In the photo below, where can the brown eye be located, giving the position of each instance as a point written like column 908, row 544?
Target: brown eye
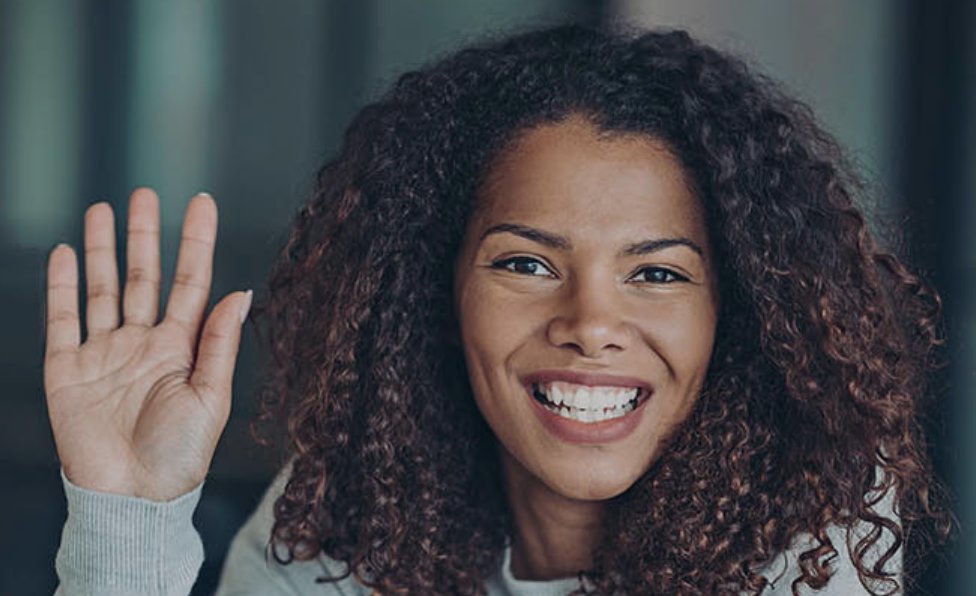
column 658, row 275
column 523, row 266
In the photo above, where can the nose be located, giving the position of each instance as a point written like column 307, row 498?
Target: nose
column 589, row 318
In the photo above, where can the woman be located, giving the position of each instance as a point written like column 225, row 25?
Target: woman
column 573, row 311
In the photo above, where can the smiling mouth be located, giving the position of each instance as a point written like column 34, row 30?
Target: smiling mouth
column 587, row 404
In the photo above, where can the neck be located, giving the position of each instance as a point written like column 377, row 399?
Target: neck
column 554, row 535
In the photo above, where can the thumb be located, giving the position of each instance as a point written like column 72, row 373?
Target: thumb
column 217, row 352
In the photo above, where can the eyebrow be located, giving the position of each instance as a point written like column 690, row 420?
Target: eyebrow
column 557, row 242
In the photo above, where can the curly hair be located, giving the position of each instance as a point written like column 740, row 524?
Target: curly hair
column 811, row 406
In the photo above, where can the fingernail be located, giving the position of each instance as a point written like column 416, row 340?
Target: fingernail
column 248, row 295
column 204, row 193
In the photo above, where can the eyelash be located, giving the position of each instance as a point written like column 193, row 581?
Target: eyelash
column 509, row 264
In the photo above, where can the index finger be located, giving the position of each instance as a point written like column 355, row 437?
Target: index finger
column 63, row 326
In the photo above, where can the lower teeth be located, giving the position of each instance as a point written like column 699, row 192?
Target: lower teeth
column 581, row 415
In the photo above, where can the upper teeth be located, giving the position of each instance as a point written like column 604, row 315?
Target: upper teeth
column 587, row 398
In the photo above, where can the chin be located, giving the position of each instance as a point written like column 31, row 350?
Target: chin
column 593, row 482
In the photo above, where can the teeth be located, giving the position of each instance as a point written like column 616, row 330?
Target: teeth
column 558, row 397
column 588, row 404
column 584, row 398
column 588, row 415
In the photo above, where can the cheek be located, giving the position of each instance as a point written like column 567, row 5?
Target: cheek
column 683, row 332
column 491, row 328
column 491, row 333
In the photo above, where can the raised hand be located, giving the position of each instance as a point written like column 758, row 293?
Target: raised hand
column 137, row 409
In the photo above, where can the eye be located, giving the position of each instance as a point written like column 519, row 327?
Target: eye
column 523, row 266
column 658, row 275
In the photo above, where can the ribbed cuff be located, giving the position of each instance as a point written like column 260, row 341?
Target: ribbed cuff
column 114, row 544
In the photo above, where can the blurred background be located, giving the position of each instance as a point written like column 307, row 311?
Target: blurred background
column 246, row 98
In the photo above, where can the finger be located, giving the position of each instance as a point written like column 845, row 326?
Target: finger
column 63, row 326
column 101, row 270
column 140, row 301
column 194, row 264
column 213, row 372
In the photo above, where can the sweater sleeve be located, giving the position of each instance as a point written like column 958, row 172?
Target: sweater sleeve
column 114, row 545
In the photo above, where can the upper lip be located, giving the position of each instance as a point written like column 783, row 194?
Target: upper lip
column 586, row 378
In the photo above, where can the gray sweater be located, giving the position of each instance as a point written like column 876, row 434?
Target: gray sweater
column 114, row 545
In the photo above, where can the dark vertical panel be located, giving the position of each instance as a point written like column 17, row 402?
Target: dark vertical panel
column 107, row 65
column 345, row 66
column 939, row 51
column 934, row 111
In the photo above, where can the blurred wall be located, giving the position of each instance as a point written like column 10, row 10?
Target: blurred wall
column 834, row 54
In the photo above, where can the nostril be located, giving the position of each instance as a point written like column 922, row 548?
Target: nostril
column 589, row 337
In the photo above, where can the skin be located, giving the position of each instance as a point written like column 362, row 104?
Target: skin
column 585, row 306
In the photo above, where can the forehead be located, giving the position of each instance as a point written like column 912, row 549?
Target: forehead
column 571, row 175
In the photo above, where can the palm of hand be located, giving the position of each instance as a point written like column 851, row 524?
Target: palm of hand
column 138, row 408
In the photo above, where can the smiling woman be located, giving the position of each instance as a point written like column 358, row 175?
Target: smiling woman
column 593, row 273
column 573, row 312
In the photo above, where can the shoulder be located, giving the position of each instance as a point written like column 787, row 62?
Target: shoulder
column 785, row 568
column 250, row 569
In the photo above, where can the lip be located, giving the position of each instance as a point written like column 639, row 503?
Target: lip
column 587, row 433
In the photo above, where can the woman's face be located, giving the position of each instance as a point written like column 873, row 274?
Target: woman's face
column 587, row 302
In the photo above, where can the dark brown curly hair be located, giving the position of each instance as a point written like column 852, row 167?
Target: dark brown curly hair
column 811, row 406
